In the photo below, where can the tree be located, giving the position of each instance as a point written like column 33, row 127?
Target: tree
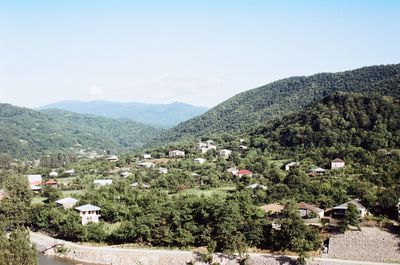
column 294, row 235
column 17, row 249
column 351, row 217
column 15, row 208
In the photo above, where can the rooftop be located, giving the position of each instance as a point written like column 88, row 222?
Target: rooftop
column 87, row 207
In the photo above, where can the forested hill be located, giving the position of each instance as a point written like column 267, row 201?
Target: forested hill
column 370, row 121
column 26, row 133
column 256, row 106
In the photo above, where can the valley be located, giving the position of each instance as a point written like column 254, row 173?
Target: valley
column 284, row 186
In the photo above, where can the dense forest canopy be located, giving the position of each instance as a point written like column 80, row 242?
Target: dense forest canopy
column 370, row 121
column 274, row 100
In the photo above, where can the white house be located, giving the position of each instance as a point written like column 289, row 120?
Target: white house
column 35, row 181
column 340, row 210
column 337, row 163
column 163, row 170
column 53, row 174
column 112, row 158
column 233, row 170
column 70, row 172
column 143, row 185
column 256, row 185
column 291, row 164
column 89, row 213
column 225, row 153
column 125, row 174
column 146, row 156
column 102, row 182
column 205, row 147
column 176, row 153
column 199, row 160
column 146, row 164
column 67, row 203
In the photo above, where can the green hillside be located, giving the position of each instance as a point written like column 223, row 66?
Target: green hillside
column 256, row 106
column 370, row 121
column 25, row 132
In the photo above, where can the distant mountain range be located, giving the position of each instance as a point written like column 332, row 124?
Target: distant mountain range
column 29, row 133
column 257, row 106
column 158, row 115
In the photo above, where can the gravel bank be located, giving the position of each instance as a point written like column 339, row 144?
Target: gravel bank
column 369, row 244
column 121, row 256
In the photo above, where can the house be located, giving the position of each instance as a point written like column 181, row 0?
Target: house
column 102, row 182
column 199, row 160
column 398, row 210
column 307, row 210
column 146, row 165
column 88, row 213
column 291, row 164
column 70, row 172
column 243, row 147
column 50, row 183
column 340, row 210
column 125, row 174
column 176, row 153
column 225, row 153
column 233, row 170
column 205, row 147
column 256, row 186
column 35, row 181
column 316, row 171
column 273, row 208
column 53, row 174
column 337, row 163
column 143, row 185
column 66, row 203
column 146, row 156
column 112, row 158
column 163, row 170
column 3, row 194
column 245, row 172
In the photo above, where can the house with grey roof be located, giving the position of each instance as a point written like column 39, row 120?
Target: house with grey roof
column 89, row 213
column 66, row 203
column 340, row 210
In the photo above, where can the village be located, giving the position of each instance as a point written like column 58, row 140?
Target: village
column 209, row 169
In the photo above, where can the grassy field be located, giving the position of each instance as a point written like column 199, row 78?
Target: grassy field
column 197, row 191
column 65, row 181
column 37, row 200
column 67, row 193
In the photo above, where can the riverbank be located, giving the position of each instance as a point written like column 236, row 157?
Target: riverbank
column 109, row 255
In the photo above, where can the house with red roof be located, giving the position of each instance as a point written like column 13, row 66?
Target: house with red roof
column 245, row 172
column 50, row 183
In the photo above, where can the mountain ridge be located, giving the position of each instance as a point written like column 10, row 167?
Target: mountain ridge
column 158, row 115
column 274, row 100
column 26, row 133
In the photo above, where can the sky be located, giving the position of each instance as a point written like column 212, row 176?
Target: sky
column 197, row 52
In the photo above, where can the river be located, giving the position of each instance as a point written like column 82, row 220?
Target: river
column 51, row 260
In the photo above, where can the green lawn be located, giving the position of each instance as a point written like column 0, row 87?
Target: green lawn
column 38, row 200
column 197, row 191
column 66, row 181
column 67, row 193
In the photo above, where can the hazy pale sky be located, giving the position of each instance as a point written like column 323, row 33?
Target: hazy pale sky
column 198, row 52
